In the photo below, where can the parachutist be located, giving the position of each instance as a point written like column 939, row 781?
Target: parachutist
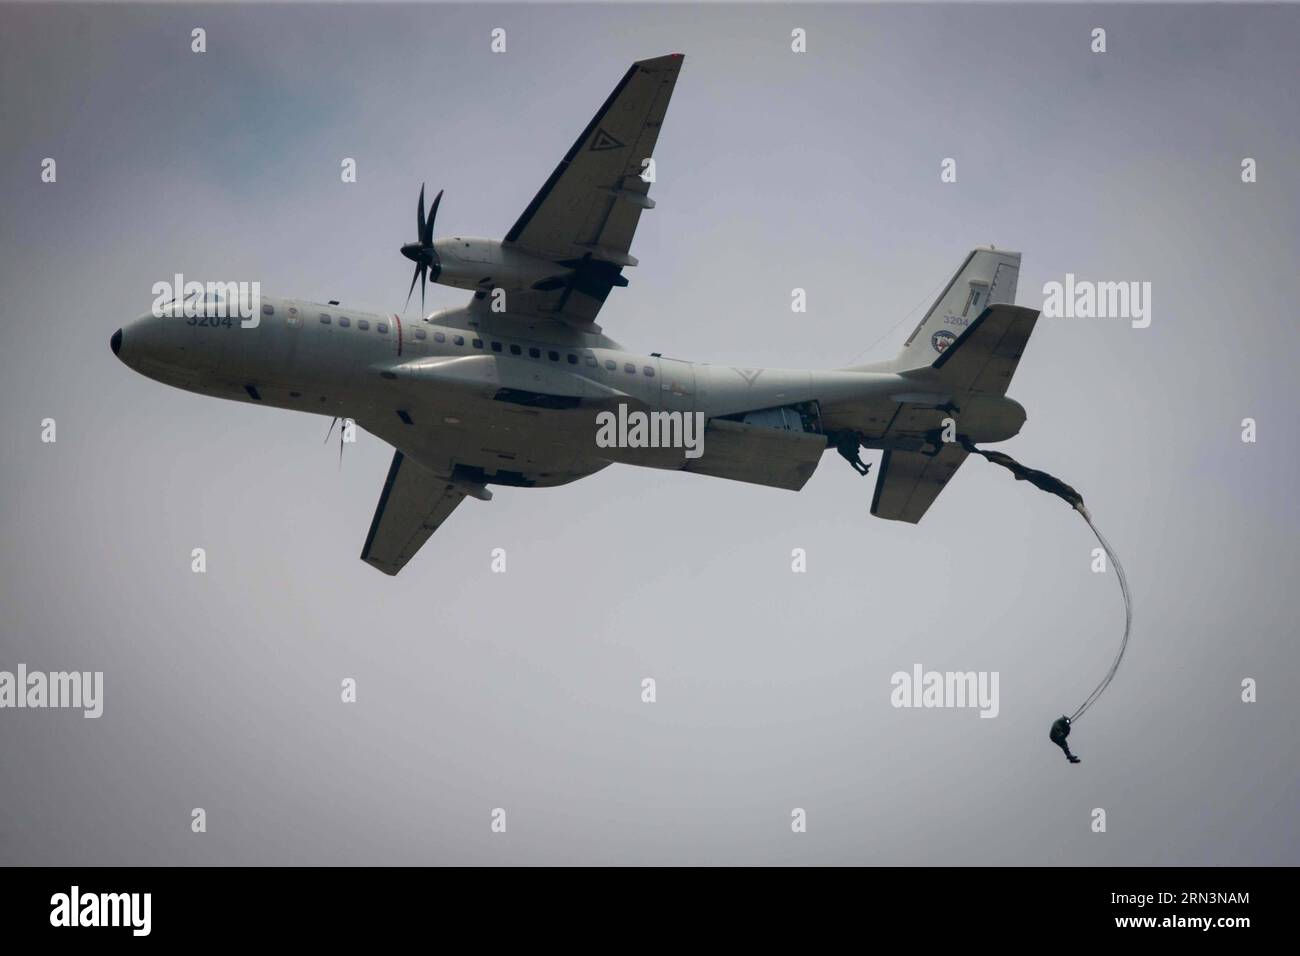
column 848, row 446
column 1041, row 479
column 1061, row 730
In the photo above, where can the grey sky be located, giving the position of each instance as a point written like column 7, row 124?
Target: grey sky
column 521, row 690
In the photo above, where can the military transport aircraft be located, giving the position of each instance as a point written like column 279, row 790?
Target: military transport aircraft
column 507, row 389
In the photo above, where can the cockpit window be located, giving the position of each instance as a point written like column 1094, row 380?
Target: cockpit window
column 266, row 309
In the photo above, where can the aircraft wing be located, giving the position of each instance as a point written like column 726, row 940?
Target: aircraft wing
column 908, row 481
column 413, row 505
column 586, row 213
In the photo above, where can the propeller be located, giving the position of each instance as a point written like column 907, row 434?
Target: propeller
column 421, row 252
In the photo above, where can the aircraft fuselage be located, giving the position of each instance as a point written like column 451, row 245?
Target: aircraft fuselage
column 510, row 403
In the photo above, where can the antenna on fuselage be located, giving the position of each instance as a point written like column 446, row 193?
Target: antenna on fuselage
column 331, row 432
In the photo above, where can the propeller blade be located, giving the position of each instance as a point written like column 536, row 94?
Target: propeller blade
column 340, row 449
column 426, row 234
column 331, row 431
column 419, row 270
column 419, row 221
column 423, row 273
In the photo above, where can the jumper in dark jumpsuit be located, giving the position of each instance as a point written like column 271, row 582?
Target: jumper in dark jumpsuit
column 1061, row 730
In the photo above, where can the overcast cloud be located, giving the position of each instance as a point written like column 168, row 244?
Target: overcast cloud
column 522, row 691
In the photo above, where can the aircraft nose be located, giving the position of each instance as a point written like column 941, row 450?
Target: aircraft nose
column 115, row 343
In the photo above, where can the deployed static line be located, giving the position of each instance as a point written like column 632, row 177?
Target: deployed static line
column 1049, row 483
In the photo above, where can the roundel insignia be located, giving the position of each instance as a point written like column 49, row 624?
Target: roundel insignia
column 942, row 339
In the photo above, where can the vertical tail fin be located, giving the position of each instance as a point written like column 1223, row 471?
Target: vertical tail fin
column 987, row 277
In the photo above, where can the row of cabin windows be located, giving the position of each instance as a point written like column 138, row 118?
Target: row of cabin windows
column 533, row 352
column 295, row 320
column 362, row 324
column 536, row 353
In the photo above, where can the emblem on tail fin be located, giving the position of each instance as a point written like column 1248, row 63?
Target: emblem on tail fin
column 942, row 339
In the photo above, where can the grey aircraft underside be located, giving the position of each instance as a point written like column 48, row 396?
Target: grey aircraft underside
column 506, row 390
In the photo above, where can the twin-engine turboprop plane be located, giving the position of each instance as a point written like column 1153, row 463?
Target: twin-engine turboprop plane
column 509, row 388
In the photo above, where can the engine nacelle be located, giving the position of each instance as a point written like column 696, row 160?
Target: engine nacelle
column 466, row 262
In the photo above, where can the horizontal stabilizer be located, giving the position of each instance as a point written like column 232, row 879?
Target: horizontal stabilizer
column 909, row 481
column 985, row 356
column 413, row 505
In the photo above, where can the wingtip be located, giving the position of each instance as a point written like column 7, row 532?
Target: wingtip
column 667, row 59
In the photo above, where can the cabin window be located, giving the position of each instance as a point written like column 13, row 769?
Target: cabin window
column 516, row 350
column 293, row 319
column 439, row 337
column 496, row 346
column 459, row 339
column 629, row 368
column 363, row 325
column 266, row 309
column 573, row 359
column 535, row 353
column 344, row 321
column 420, row 334
column 381, row 328
column 324, row 318
column 591, row 361
column 477, row 343
column 553, row 356
column 611, row 365
column 649, row 372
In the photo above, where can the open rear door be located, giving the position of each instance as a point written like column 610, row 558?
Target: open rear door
column 757, row 454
